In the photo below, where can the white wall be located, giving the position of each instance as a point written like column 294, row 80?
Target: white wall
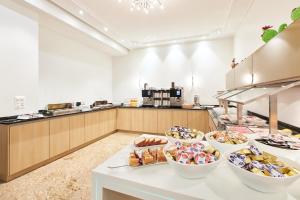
column 247, row 40
column 71, row 71
column 19, row 61
column 206, row 61
column 47, row 67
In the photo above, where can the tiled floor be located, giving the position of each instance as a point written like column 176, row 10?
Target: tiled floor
column 68, row 177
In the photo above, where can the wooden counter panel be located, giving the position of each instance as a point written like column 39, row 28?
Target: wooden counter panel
column 137, row 119
column 59, row 136
column 150, row 121
column 92, row 127
column 198, row 119
column 77, row 130
column 29, row 145
column 180, row 118
column 4, row 153
column 164, row 120
column 124, row 119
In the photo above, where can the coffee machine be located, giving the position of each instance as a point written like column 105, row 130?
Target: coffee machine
column 176, row 96
column 147, row 94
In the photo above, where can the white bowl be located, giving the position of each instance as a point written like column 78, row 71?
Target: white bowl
column 264, row 183
column 290, row 154
column 192, row 171
column 223, row 147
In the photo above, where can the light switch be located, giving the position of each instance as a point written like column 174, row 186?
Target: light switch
column 19, row 102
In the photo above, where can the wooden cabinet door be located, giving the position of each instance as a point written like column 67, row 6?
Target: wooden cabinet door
column 164, row 120
column 104, row 117
column 124, row 119
column 278, row 59
column 77, row 131
column 91, row 126
column 137, row 116
column 180, row 118
column 29, row 145
column 150, row 121
column 112, row 116
column 198, row 119
column 59, row 135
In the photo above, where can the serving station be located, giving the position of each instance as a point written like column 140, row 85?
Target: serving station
column 161, row 182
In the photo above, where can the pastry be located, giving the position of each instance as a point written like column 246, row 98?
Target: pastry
column 140, row 141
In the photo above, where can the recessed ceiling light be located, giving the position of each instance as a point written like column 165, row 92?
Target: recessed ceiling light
column 119, row 1
column 105, row 29
column 122, row 40
column 162, row 7
column 81, row 12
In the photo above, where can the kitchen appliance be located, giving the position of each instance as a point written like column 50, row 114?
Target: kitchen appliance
column 147, row 94
column 157, row 96
column 196, row 101
column 165, row 98
column 61, row 109
column 176, row 96
column 101, row 105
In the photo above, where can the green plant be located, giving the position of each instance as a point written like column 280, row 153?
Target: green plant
column 295, row 14
column 268, row 33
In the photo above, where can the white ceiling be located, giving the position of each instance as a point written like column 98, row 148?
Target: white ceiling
column 181, row 20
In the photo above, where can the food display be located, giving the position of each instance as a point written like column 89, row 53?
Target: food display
column 228, row 137
column 146, row 157
column 183, row 133
column 281, row 141
column 239, row 129
column 196, row 153
column 149, row 141
column 261, row 163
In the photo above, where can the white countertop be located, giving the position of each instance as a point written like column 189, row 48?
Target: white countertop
column 161, row 182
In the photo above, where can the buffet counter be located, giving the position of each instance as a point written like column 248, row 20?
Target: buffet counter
column 160, row 182
column 28, row 144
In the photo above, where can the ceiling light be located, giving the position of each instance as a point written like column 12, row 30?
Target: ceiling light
column 105, row 29
column 81, row 12
column 145, row 5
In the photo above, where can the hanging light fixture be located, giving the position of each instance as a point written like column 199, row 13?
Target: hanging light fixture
column 145, row 5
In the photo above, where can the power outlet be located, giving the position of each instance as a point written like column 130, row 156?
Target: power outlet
column 19, row 102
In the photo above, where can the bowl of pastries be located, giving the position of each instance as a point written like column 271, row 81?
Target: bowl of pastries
column 192, row 161
column 263, row 171
column 184, row 135
column 226, row 141
column 147, row 156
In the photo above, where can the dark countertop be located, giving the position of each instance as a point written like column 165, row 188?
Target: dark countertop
column 13, row 119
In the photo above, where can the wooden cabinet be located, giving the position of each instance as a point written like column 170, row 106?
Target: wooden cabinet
column 243, row 73
column 198, row 119
column 112, row 119
column 59, row 135
column 102, row 123
column 91, row 126
column 124, row 119
column 278, row 59
column 164, row 120
column 29, row 145
column 180, row 118
column 150, row 121
column 137, row 118
column 230, row 79
column 77, row 131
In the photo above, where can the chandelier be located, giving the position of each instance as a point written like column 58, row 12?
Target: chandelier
column 144, row 5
